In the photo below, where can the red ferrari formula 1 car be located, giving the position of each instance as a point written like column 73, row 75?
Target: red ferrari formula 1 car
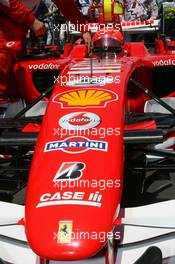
column 99, row 128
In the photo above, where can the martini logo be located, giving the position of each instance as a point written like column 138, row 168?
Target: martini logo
column 76, row 144
column 79, row 120
column 85, row 98
column 69, row 171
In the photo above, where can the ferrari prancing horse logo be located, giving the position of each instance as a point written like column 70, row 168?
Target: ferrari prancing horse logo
column 64, row 232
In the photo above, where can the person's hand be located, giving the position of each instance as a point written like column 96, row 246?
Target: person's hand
column 38, row 27
column 87, row 40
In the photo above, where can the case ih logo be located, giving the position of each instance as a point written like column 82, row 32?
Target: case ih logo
column 79, row 120
column 69, row 171
column 85, row 98
column 76, row 144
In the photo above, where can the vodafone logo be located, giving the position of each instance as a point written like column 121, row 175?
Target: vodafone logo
column 10, row 44
column 168, row 62
column 79, row 120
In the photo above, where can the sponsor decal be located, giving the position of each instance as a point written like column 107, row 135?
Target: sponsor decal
column 64, row 231
column 74, row 198
column 85, row 98
column 44, row 66
column 69, row 171
column 168, row 62
column 10, row 44
column 75, row 145
column 79, row 120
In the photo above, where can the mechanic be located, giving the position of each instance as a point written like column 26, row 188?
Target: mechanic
column 15, row 19
column 85, row 7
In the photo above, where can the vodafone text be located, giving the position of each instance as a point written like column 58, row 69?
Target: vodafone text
column 44, row 66
column 168, row 62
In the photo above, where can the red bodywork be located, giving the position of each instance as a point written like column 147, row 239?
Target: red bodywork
column 62, row 221
column 105, row 166
column 71, row 204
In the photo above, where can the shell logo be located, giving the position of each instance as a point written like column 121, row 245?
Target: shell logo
column 85, row 98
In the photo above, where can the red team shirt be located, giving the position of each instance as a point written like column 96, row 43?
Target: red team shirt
column 16, row 11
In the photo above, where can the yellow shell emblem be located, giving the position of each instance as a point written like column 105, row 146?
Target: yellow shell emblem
column 85, row 98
